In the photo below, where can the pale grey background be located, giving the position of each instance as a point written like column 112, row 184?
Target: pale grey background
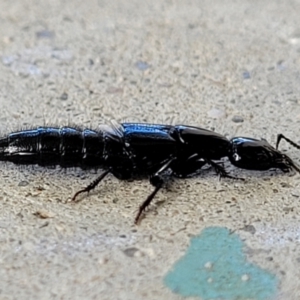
column 205, row 63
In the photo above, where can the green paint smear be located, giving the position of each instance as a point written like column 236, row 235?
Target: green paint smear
column 215, row 267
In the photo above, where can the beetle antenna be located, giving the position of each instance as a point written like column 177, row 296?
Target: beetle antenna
column 281, row 136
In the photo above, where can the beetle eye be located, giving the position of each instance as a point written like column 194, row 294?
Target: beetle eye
column 236, row 157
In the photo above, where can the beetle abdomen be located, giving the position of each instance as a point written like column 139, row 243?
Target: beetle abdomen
column 49, row 146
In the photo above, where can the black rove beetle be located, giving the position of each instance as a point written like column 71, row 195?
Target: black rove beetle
column 131, row 150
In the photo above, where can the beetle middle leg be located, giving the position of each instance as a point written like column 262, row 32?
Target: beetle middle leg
column 189, row 166
column 157, row 181
column 194, row 163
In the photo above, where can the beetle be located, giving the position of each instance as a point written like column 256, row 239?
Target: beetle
column 131, row 150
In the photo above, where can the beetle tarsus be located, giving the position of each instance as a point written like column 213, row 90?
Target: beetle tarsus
column 91, row 186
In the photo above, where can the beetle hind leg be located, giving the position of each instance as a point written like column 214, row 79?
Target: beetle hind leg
column 92, row 185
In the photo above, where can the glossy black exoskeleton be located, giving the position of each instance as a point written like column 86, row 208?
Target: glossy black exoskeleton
column 253, row 154
column 129, row 150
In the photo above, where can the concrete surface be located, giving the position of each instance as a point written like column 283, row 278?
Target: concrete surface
column 229, row 65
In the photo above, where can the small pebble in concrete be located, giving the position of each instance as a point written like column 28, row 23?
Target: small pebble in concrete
column 46, row 34
column 216, row 113
column 245, row 277
column 142, row 66
column 208, row 265
column 130, row 252
column 246, row 75
column 238, row 119
column 64, row 96
column 249, row 228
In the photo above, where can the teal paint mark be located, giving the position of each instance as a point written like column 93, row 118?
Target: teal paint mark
column 215, row 267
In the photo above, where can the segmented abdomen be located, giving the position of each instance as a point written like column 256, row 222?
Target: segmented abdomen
column 49, row 146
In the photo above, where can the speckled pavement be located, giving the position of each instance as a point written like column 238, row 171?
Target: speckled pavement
column 231, row 66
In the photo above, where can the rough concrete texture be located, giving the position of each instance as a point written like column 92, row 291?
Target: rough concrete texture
column 229, row 65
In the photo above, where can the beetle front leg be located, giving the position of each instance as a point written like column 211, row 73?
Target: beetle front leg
column 219, row 168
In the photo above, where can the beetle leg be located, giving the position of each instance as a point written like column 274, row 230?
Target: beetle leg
column 157, row 181
column 281, row 136
column 286, row 164
column 92, row 185
column 219, row 168
column 184, row 168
